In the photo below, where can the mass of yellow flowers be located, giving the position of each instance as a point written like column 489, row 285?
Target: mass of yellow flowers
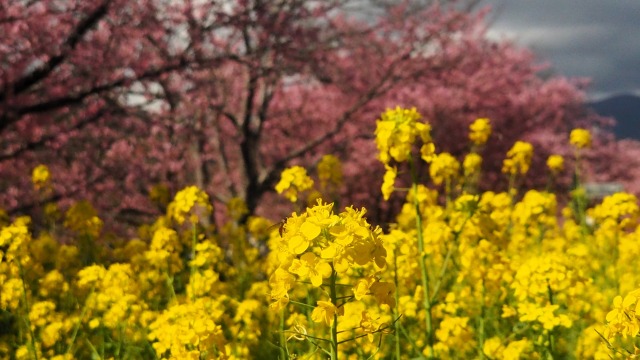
column 462, row 272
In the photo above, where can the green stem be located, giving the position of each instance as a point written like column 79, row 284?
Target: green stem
column 94, row 351
column 395, row 309
column 550, row 338
column 411, row 342
column 301, row 304
column 77, row 326
column 447, row 259
column 334, row 325
column 421, row 259
column 169, row 280
column 283, row 340
column 380, row 330
column 481, row 326
column 26, row 316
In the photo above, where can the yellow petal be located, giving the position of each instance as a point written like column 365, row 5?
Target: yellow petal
column 310, row 230
column 298, row 244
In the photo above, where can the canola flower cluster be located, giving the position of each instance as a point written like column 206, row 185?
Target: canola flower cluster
column 504, row 274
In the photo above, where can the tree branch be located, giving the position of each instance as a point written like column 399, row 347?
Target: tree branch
column 34, row 145
column 69, row 45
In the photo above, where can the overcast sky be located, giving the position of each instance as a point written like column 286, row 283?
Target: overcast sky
column 598, row 39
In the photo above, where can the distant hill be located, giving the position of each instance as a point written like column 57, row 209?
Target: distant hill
column 626, row 110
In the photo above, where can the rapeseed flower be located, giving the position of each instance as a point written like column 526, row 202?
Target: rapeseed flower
column 555, row 163
column 330, row 171
column 471, row 165
column 444, row 168
column 518, row 159
column 40, row 177
column 480, row 130
column 580, row 138
column 388, row 181
column 293, row 181
column 396, row 131
column 190, row 203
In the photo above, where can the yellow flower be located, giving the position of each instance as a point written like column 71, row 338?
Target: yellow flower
column 40, row 176
column 518, row 159
column 237, row 208
column 190, row 203
column 324, row 312
column 384, row 293
column 312, row 267
column 330, row 171
column 428, row 152
column 362, row 287
column 396, row 132
column 389, row 181
column 370, row 324
column 480, row 130
column 515, row 349
column 555, row 163
column 444, row 168
column 293, row 181
column 90, row 276
column 471, row 164
column 83, row 218
column 259, row 226
column 580, row 138
column 619, row 207
column 280, row 282
column 493, row 348
column 624, row 319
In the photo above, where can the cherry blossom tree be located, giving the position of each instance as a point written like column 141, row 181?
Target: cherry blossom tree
column 119, row 96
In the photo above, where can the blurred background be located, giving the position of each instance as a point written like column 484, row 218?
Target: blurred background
column 127, row 102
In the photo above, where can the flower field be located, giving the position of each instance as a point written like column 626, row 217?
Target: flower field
column 460, row 274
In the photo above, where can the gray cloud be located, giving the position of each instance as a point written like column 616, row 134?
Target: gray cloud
column 597, row 39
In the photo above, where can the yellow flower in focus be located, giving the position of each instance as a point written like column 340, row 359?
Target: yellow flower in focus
column 370, row 324
column 580, row 138
column 624, row 319
column 361, row 289
column 555, row 163
column 388, row 181
column 312, row 267
column 518, row 159
column 40, row 177
column 280, row 282
column 480, row 130
column 324, row 312
column 384, row 293
column 293, row 181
